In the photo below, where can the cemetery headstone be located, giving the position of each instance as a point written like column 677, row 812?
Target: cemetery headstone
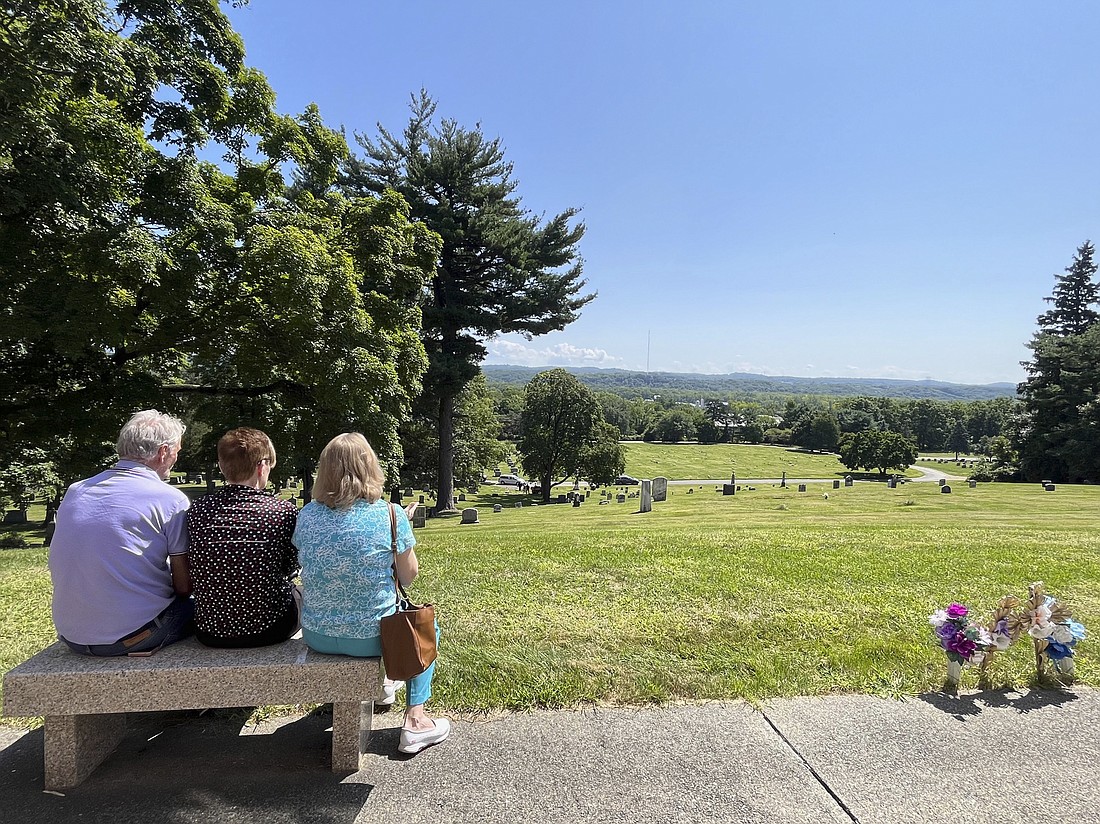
column 660, row 489
column 1049, row 487
column 519, row 504
column 891, row 483
column 836, row 484
column 733, row 478
column 646, row 503
column 690, row 490
column 943, row 482
column 973, row 483
column 469, row 515
column 729, row 489
column 945, row 488
column 421, row 499
column 563, row 499
column 802, row 487
column 577, row 501
column 420, row 514
column 497, row 508
column 848, row 480
column 620, row 498
column 408, row 492
column 462, row 496
column 783, row 482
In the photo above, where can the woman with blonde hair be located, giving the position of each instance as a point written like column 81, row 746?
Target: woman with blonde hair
column 344, row 541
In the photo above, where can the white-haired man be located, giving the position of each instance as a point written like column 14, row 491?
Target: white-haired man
column 118, row 559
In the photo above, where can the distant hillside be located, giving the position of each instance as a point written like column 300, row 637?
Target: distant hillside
column 744, row 383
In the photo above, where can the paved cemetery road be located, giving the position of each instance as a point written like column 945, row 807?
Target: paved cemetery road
column 926, row 475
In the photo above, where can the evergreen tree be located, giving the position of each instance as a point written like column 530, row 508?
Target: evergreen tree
column 1057, row 439
column 1075, row 295
column 500, row 268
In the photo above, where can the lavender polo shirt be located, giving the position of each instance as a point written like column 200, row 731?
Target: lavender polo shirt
column 109, row 554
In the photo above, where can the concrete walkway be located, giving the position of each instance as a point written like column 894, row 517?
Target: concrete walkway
column 980, row 757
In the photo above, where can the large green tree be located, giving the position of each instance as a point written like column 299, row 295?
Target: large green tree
column 562, row 428
column 135, row 273
column 1059, row 436
column 501, row 269
column 872, row 449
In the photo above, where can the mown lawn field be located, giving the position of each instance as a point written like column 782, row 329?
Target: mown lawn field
column 766, row 593
column 689, row 461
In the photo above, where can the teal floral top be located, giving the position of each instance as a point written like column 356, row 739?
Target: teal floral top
column 347, row 576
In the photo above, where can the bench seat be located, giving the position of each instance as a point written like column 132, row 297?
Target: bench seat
column 85, row 699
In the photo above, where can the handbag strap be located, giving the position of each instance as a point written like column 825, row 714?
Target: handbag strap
column 398, row 590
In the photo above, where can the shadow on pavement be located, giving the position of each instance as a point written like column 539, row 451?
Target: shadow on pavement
column 198, row 769
column 967, row 705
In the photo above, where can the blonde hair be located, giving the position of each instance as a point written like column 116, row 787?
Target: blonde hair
column 348, row 471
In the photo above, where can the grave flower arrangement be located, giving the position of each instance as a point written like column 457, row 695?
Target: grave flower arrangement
column 964, row 641
column 1051, row 626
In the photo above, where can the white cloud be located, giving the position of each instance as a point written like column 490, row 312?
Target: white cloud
column 560, row 354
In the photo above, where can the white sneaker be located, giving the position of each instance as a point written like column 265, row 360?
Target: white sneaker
column 387, row 692
column 416, row 741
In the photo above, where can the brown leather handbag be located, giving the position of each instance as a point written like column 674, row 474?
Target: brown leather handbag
column 408, row 635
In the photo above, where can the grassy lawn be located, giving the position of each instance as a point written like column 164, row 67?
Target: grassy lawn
column 688, row 461
column 766, row 593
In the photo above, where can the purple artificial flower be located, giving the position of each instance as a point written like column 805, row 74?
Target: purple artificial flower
column 962, row 645
column 957, row 611
column 945, row 632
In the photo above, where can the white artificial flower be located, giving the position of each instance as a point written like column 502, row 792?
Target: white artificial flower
column 1042, row 614
column 1039, row 631
column 938, row 618
column 1061, row 633
column 984, row 638
column 1002, row 642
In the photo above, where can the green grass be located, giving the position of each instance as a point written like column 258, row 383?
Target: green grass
column 762, row 594
column 713, row 461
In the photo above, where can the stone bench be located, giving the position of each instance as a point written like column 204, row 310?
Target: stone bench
column 85, row 699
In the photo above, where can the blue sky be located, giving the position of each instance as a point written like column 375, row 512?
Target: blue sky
column 864, row 189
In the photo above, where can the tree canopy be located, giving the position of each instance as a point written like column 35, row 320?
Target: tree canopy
column 873, row 449
column 135, row 273
column 563, row 433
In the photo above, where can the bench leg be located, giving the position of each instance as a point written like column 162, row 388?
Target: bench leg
column 351, row 721
column 77, row 744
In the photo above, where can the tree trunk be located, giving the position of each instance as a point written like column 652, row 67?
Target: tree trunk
column 445, row 500
column 546, row 481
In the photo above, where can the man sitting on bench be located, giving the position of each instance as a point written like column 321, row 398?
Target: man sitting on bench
column 118, row 560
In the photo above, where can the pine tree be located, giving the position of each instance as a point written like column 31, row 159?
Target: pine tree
column 1057, row 439
column 500, row 269
column 1075, row 295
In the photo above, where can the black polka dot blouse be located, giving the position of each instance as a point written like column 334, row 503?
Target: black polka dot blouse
column 241, row 559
